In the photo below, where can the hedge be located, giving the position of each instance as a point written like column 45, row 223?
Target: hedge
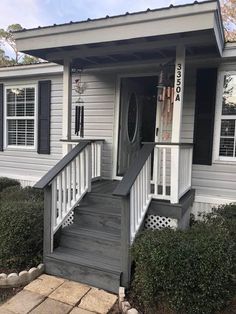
column 21, row 227
column 191, row 271
column 6, row 182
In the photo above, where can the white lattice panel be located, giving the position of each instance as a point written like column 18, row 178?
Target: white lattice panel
column 69, row 221
column 158, row 222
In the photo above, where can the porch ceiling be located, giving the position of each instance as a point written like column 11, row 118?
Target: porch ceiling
column 139, row 36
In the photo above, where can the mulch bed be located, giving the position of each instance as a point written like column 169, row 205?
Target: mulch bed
column 115, row 309
column 6, row 294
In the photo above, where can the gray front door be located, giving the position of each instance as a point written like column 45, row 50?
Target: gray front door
column 129, row 124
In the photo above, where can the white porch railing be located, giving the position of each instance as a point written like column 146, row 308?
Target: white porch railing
column 172, row 171
column 140, row 197
column 70, row 185
column 96, row 151
column 185, row 169
column 66, row 184
column 96, row 156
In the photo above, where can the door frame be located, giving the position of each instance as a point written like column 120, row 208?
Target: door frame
column 117, row 115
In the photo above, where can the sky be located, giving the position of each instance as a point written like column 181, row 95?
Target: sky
column 33, row 13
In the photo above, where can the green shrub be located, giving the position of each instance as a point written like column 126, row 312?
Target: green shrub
column 18, row 193
column 190, row 271
column 21, row 227
column 223, row 215
column 6, row 182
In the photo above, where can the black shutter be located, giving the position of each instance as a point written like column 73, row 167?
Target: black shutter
column 204, row 116
column 44, row 112
column 1, row 116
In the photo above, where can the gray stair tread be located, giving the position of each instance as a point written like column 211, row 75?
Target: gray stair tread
column 86, row 259
column 96, row 209
column 79, row 231
column 106, row 187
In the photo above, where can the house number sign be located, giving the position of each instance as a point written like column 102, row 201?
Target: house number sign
column 178, row 83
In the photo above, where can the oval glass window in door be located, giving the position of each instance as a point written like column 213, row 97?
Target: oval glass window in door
column 132, row 117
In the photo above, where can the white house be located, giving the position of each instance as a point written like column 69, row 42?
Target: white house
column 147, row 101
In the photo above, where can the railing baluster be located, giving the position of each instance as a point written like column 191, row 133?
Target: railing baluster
column 82, row 177
column 99, row 158
column 54, row 203
column 74, row 180
column 64, row 191
column 59, row 198
column 78, row 176
column 69, row 185
column 164, row 172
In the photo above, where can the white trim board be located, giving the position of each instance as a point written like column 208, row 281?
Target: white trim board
column 171, row 20
column 30, row 70
column 35, row 118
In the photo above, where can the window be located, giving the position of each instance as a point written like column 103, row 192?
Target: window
column 132, row 117
column 227, row 147
column 20, row 116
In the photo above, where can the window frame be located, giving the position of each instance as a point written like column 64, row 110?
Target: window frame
column 34, row 117
column 219, row 117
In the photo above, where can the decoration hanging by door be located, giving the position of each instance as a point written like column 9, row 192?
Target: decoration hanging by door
column 79, row 109
column 166, row 98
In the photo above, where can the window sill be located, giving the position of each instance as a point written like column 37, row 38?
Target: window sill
column 225, row 162
column 17, row 149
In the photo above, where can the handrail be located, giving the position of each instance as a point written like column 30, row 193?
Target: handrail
column 48, row 177
column 125, row 185
column 92, row 140
column 170, row 144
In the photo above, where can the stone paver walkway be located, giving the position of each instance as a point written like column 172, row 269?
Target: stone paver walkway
column 53, row 295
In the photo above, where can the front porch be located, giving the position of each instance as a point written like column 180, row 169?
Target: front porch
column 91, row 223
column 162, row 44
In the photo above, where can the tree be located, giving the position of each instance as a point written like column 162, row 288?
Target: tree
column 228, row 10
column 7, row 37
column 4, row 60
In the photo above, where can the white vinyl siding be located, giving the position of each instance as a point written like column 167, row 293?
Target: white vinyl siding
column 218, row 180
column 25, row 164
column 20, row 118
column 99, row 105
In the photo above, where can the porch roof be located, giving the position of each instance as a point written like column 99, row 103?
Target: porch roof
column 133, row 36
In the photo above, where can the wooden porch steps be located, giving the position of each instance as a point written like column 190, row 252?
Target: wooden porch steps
column 89, row 250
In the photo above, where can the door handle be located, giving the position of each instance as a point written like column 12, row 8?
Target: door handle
column 157, row 131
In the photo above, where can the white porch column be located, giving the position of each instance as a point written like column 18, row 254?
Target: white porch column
column 177, row 121
column 66, row 111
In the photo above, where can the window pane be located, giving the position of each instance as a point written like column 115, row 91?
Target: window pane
column 30, row 94
column 20, row 109
column 29, row 109
column 227, row 147
column 10, row 95
column 229, row 95
column 228, row 128
column 20, row 94
column 12, row 132
column 11, row 110
column 30, row 133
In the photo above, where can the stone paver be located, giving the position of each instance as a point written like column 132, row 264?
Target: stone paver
column 50, row 306
column 45, row 284
column 98, row 301
column 5, row 311
column 52, row 295
column 77, row 310
column 70, row 292
column 22, row 302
